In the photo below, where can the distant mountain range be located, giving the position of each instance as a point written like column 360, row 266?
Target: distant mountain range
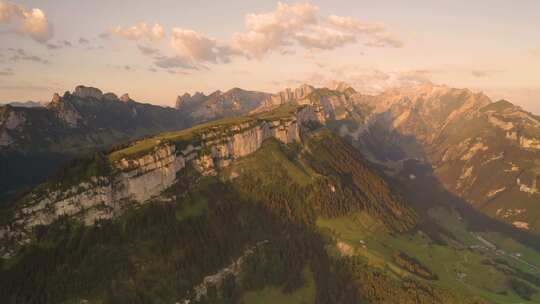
column 35, row 141
column 25, row 104
column 234, row 102
column 487, row 153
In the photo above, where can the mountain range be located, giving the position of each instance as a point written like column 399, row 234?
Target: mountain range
column 311, row 195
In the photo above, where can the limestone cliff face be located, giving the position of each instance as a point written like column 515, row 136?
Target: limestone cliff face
column 234, row 102
column 87, row 92
column 286, row 96
column 136, row 181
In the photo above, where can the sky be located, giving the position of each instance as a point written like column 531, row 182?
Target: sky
column 156, row 50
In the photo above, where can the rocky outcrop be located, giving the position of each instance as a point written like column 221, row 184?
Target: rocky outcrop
column 234, row 102
column 286, row 96
column 188, row 99
column 137, row 180
column 87, row 92
column 14, row 121
column 125, row 98
column 215, row 280
column 110, row 97
column 67, row 112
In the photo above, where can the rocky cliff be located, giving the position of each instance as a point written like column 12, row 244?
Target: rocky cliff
column 135, row 179
column 484, row 152
column 35, row 141
column 286, row 96
column 234, row 102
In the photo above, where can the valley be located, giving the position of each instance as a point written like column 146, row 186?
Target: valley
column 251, row 209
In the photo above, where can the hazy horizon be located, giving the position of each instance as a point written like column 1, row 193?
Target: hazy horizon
column 165, row 48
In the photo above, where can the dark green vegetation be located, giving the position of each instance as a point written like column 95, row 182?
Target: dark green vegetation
column 284, row 210
column 159, row 252
column 312, row 222
column 413, row 266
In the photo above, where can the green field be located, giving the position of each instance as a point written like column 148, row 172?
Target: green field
column 459, row 266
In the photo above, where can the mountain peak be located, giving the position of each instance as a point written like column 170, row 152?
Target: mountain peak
column 110, row 96
column 87, row 92
column 235, row 90
column 340, row 86
column 125, row 98
column 55, row 98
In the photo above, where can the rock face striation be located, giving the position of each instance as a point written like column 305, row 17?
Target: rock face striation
column 286, row 96
column 136, row 180
column 487, row 153
column 87, row 92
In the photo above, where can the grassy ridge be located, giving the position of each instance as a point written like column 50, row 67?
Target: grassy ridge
column 194, row 133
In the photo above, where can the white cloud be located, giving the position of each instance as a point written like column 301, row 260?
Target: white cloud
column 198, row 47
column 324, row 38
column 274, row 30
column 384, row 39
column 355, row 25
column 284, row 30
column 141, row 30
column 376, row 32
column 27, row 22
column 300, row 24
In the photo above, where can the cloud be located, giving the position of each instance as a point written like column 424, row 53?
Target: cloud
column 300, row 24
column 147, row 50
column 175, row 72
column 174, row 62
column 52, row 46
column 269, row 31
column 198, row 47
column 324, row 39
column 7, row 72
column 141, row 30
column 367, row 81
column 284, row 30
column 21, row 55
column 376, row 33
column 384, row 39
column 484, row 73
column 355, row 25
column 26, row 22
